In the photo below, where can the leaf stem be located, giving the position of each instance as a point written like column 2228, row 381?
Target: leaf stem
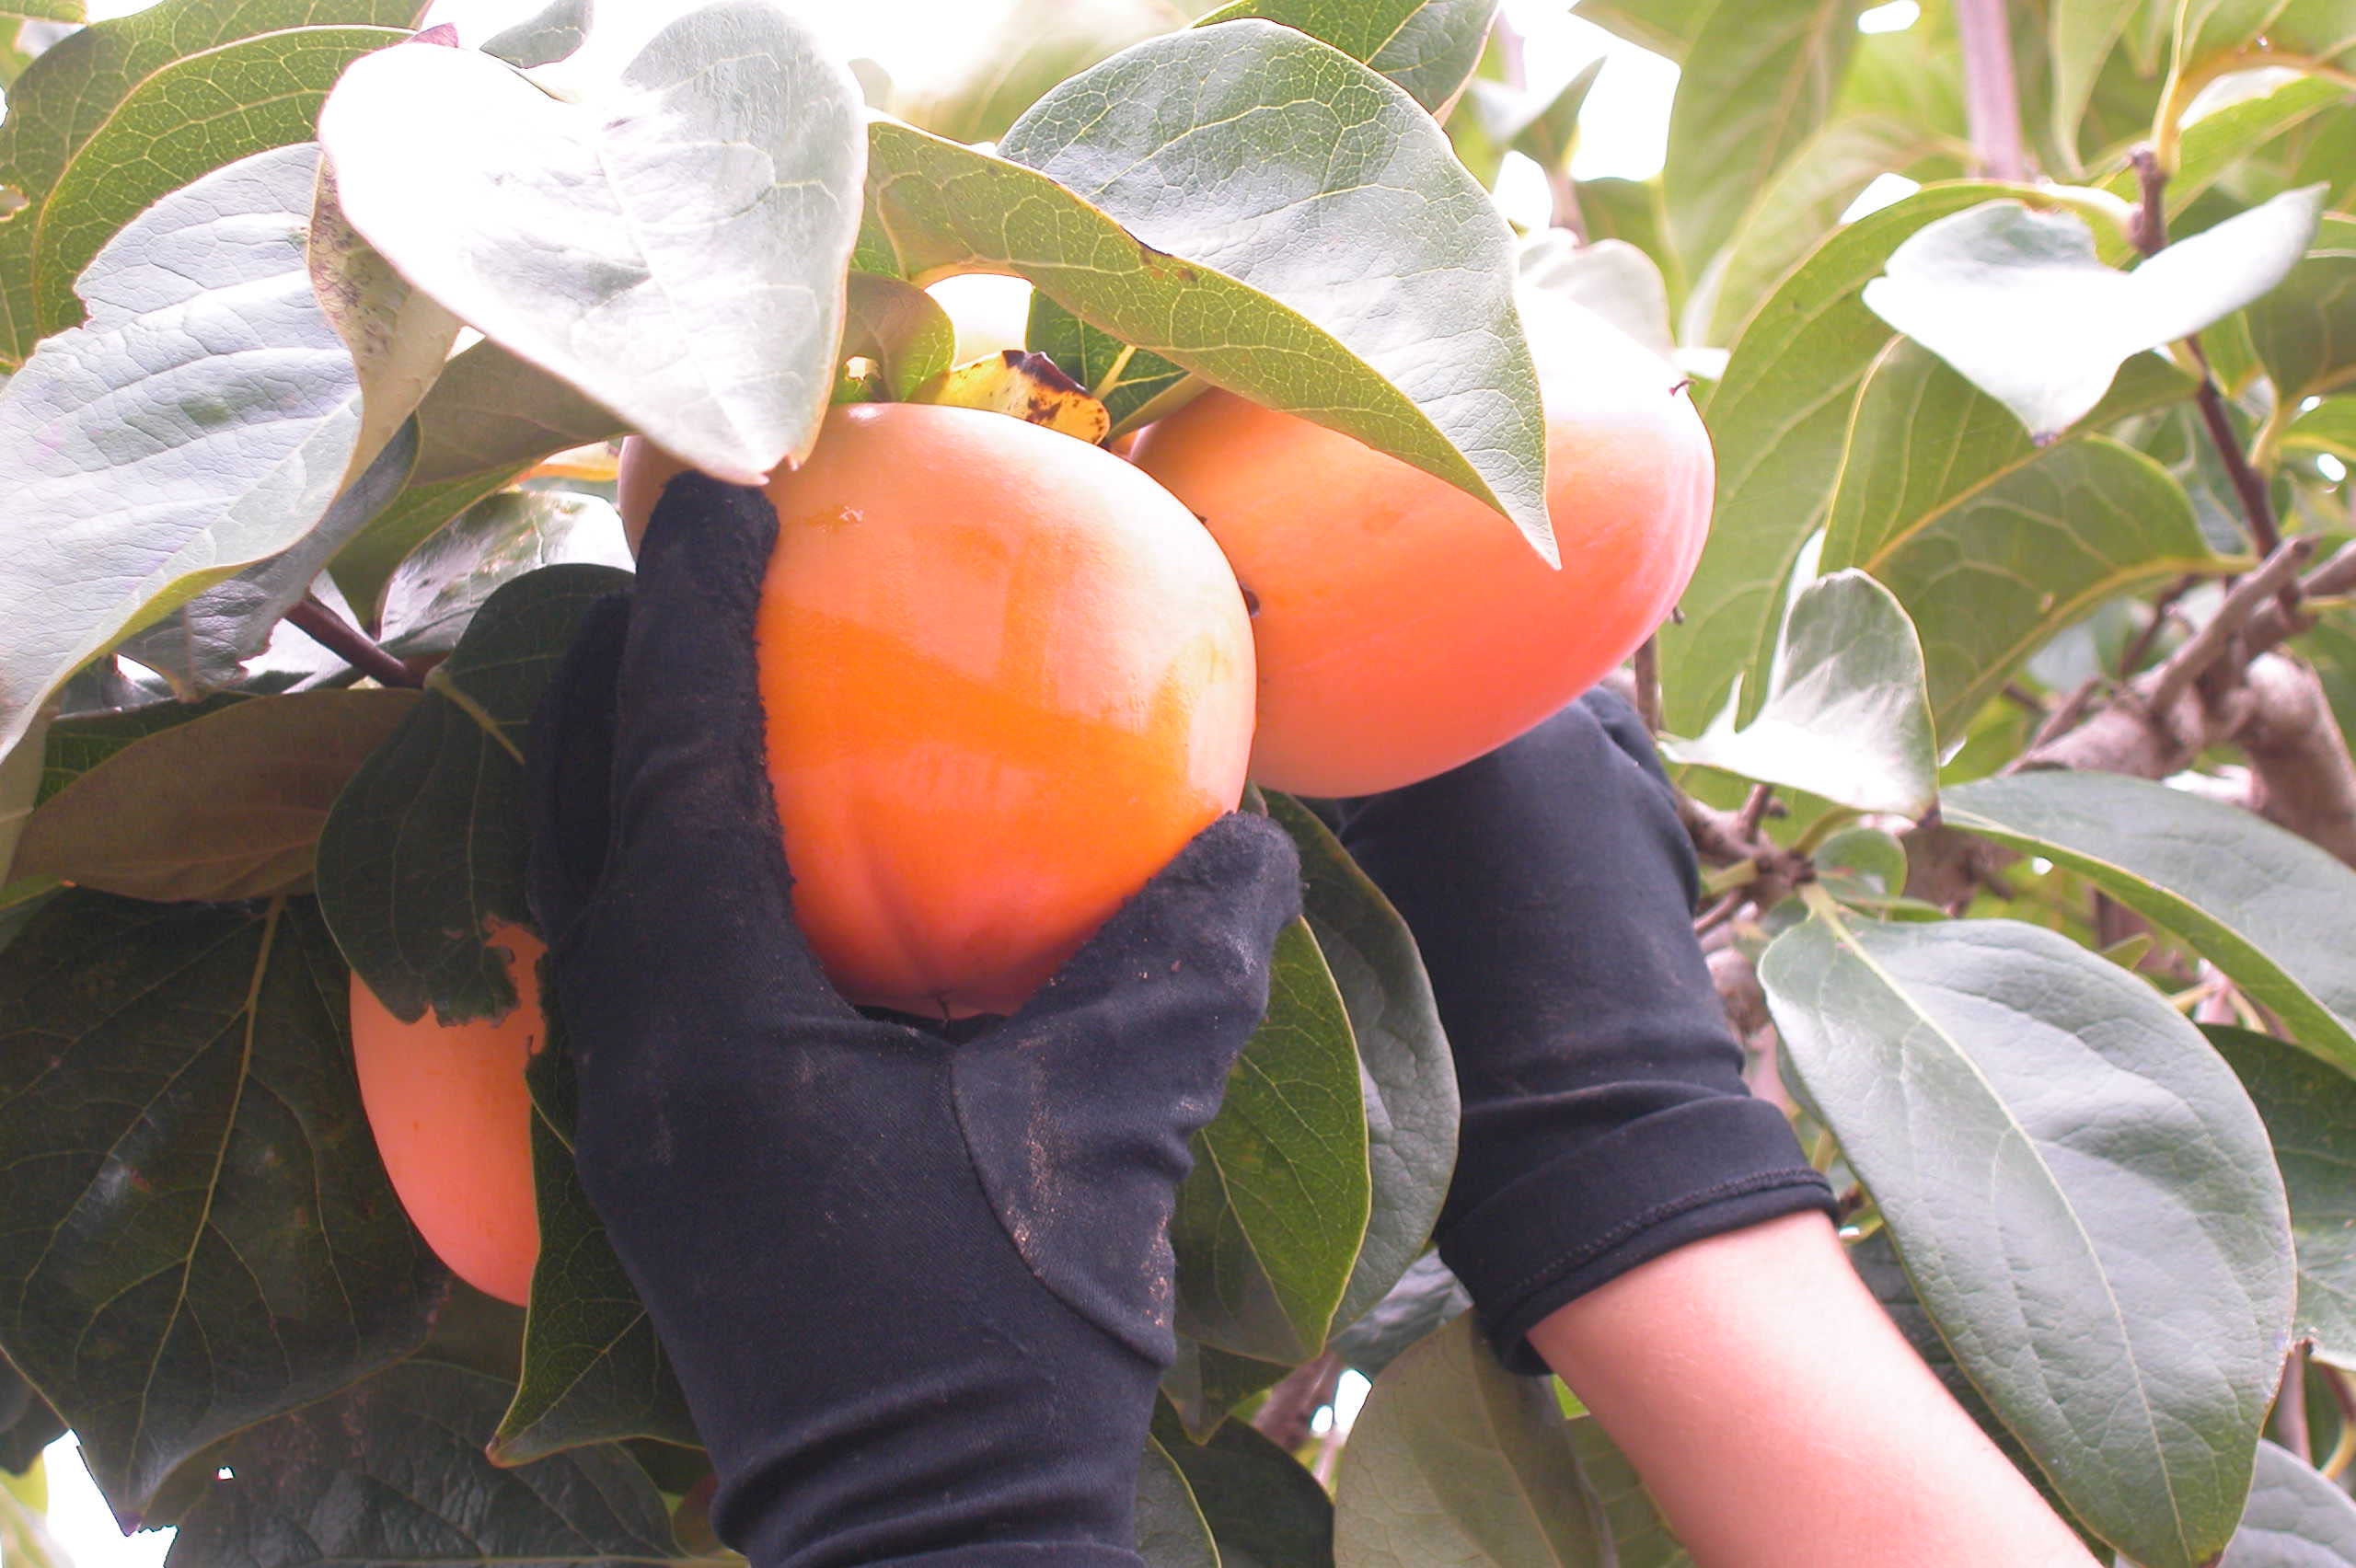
column 1648, row 684
column 348, row 643
column 1991, row 97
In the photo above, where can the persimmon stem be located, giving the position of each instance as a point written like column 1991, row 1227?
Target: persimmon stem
column 351, row 645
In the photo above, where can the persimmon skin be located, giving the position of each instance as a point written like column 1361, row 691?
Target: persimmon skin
column 453, row 1120
column 1404, row 628
column 1005, row 676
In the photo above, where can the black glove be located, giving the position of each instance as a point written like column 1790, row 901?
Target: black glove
column 1550, row 888
column 917, row 1293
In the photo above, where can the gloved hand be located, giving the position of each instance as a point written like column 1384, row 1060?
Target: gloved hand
column 917, row 1293
column 1550, row 888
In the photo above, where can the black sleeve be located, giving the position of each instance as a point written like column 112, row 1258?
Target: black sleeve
column 1550, row 888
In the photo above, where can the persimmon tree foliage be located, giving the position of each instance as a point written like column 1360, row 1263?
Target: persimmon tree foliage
column 2008, row 700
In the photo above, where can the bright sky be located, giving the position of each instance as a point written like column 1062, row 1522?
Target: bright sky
column 1621, row 132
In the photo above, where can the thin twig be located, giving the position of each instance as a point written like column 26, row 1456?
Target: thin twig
column 2205, row 647
column 2136, row 651
column 2151, row 231
column 348, row 643
column 2271, row 626
column 1718, row 914
column 2257, row 504
column 2290, row 1405
column 1754, row 811
column 2151, row 236
column 1648, row 685
column 2057, row 722
column 1991, row 98
column 1285, row 1416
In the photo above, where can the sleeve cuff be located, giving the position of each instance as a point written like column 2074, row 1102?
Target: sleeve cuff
column 1684, row 1174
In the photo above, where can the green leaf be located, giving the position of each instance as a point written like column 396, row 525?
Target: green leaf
column 2329, row 426
column 2296, row 1517
column 1269, row 1225
column 1779, row 420
column 1427, row 1297
column 1171, row 1531
column 543, row 40
column 670, row 241
column 1204, row 1383
column 222, row 807
column 492, row 413
column 2310, row 1113
column 425, row 846
column 1759, row 79
column 1664, row 27
column 1409, row 1078
column 365, row 568
column 1847, row 716
column 1264, row 1509
column 1991, row 541
column 2080, row 1192
column 1135, row 387
column 433, row 597
column 902, row 328
column 1550, row 136
column 592, row 1372
column 1793, row 212
column 189, row 119
column 79, row 743
column 1429, row 47
column 2263, row 904
column 1455, row 1459
column 1031, row 46
column 71, row 89
column 2083, row 34
column 393, row 1471
column 44, row 10
column 210, row 1240
column 1297, row 232
column 22, row 774
column 27, row 1423
column 204, row 645
column 207, row 384
column 2306, row 331
column 2219, row 143
column 399, row 338
column 2019, row 302
column 1610, row 277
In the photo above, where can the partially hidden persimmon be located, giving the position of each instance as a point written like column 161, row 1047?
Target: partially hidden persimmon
column 1005, row 677
column 453, row 1120
column 1403, row 627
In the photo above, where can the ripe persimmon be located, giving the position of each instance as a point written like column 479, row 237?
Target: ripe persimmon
column 453, row 1120
column 1403, row 628
column 1006, row 677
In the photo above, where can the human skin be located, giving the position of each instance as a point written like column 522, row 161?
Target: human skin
column 1780, row 1420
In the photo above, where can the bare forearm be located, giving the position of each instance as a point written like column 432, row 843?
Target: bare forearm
column 1779, row 1418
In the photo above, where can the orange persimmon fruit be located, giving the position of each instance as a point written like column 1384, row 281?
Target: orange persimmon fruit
column 1005, row 677
column 454, row 1123
column 1403, row 628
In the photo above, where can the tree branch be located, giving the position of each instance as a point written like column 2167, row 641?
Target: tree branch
column 1991, row 98
column 1285, row 1415
column 348, row 643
